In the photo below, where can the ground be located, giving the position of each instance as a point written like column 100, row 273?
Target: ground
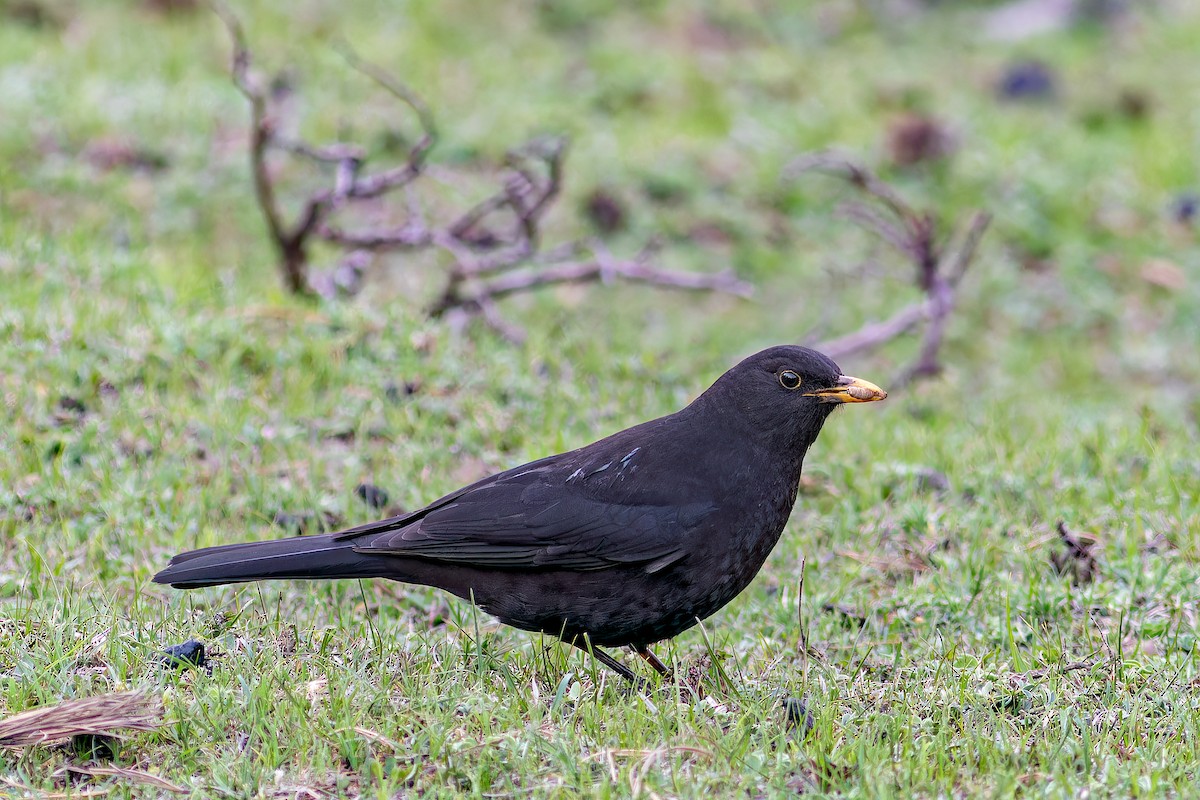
column 161, row 391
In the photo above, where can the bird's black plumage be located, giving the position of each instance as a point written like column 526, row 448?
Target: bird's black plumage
column 627, row 541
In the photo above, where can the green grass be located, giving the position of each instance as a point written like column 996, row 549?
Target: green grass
column 937, row 627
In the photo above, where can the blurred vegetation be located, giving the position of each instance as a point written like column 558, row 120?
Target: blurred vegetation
column 161, row 391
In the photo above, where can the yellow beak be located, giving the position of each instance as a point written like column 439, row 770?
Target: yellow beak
column 849, row 390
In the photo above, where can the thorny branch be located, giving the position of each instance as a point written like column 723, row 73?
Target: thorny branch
column 940, row 263
column 494, row 247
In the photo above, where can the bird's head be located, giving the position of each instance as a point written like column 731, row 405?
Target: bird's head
column 788, row 392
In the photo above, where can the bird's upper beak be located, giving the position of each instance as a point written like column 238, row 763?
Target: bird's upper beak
column 849, row 390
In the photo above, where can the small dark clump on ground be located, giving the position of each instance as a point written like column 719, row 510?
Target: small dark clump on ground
column 372, row 495
column 797, row 715
column 72, row 404
column 605, row 211
column 1077, row 558
column 305, row 522
column 932, row 481
column 1027, row 80
column 395, row 392
column 190, row 653
column 1184, row 208
column 916, row 138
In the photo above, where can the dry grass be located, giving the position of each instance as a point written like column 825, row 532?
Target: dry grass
column 103, row 715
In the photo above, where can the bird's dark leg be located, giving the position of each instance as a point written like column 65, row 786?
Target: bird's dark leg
column 607, row 660
column 617, row 667
column 651, row 659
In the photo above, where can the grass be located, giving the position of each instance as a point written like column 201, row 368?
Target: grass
column 158, row 391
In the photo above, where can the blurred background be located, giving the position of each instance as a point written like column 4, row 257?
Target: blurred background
column 1073, row 123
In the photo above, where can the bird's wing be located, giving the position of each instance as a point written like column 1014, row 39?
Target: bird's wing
column 541, row 517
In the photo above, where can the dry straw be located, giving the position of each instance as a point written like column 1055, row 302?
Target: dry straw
column 102, row 715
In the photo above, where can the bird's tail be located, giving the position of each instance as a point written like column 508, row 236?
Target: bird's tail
column 297, row 557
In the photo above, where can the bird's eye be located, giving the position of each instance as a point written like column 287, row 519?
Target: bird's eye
column 789, row 379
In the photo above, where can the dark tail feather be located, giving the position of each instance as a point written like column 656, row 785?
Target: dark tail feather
column 298, row 557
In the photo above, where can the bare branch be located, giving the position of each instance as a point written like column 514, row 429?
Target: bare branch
column 872, row 335
column 496, row 321
column 367, row 188
column 857, row 175
column 596, row 270
column 915, row 234
column 335, row 153
column 494, row 246
column 524, row 192
column 941, row 303
column 418, row 152
column 407, row 238
column 873, row 220
column 240, row 69
column 476, row 214
column 262, row 132
column 965, row 252
column 551, row 152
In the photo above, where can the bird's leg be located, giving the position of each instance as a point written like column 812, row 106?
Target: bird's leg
column 607, row 660
column 651, row 659
column 617, row 667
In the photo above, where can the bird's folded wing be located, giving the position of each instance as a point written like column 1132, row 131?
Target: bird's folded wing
column 536, row 525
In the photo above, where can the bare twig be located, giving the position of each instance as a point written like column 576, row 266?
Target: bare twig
column 598, row 270
column 966, row 249
column 874, row 220
column 494, row 247
column 407, row 238
column 875, row 334
column 293, row 259
column 491, row 264
column 859, row 176
column 336, row 153
column 418, row 152
column 292, row 241
column 939, row 266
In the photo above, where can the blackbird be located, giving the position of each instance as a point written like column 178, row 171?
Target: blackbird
column 625, row 542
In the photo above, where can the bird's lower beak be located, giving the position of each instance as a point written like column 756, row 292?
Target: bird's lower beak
column 849, row 390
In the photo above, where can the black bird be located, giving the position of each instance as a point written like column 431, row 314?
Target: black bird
column 624, row 542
